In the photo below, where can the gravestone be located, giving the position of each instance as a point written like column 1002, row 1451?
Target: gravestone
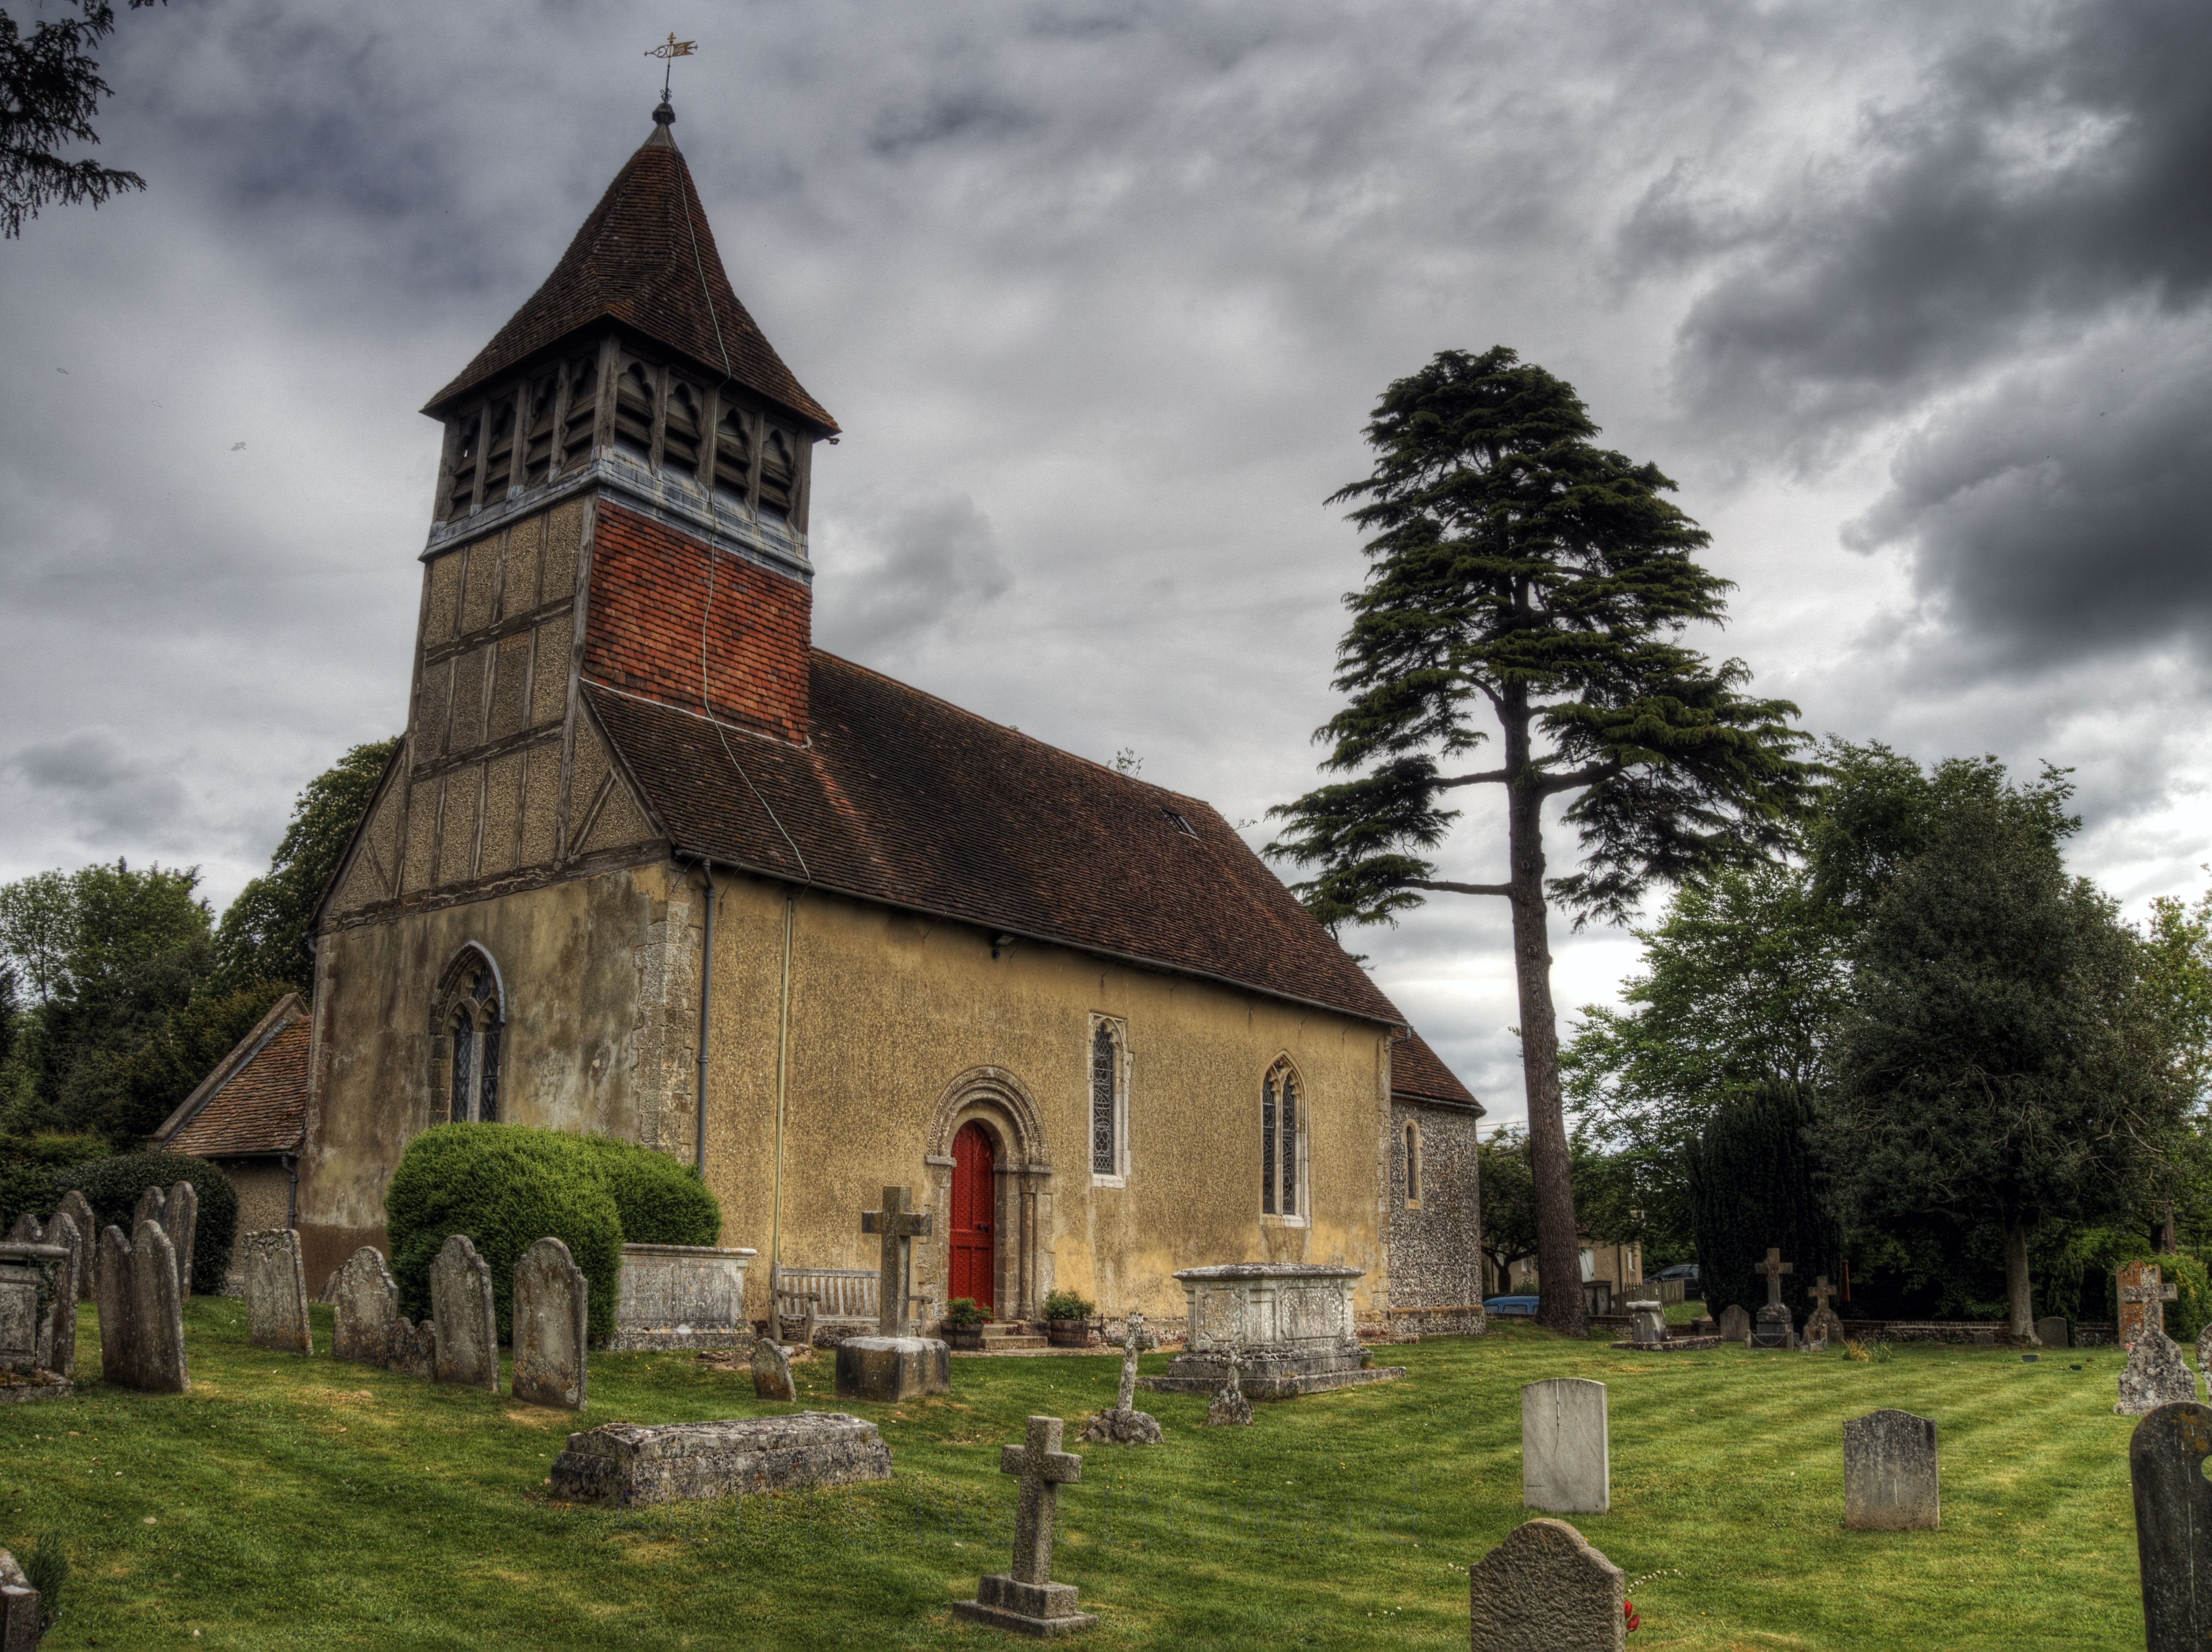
column 467, row 1349
column 142, row 1324
column 2143, row 1295
column 1230, row 1408
column 2154, row 1376
column 1125, row 1425
column 2050, row 1332
column 21, row 1608
column 75, row 1207
column 1566, row 1452
column 183, row 1226
column 1647, row 1322
column 1890, row 1481
column 552, row 1301
column 629, row 1464
column 1774, row 1327
column 1545, row 1589
column 1824, row 1325
column 1026, row 1600
column 893, row 1366
column 2173, row 1525
column 2204, row 1352
column 772, row 1371
column 276, row 1292
column 1735, row 1324
column 366, row 1324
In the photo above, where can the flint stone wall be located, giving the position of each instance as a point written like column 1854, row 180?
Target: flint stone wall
column 627, row 1464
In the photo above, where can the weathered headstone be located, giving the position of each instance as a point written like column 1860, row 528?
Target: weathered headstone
column 276, row 1292
column 2154, row 1376
column 1824, row 1325
column 2143, row 1295
column 2204, row 1352
column 1774, row 1327
column 1647, row 1323
column 182, row 1225
column 1545, row 1589
column 21, row 1608
column 898, row 1225
column 551, row 1314
column 75, row 1207
column 627, row 1464
column 1890, row 1479
column 772, row 1371
column 366, row 1325
column 1027, row 1599
column 142, row 1325
column 2173, row 1525
column 1230, row 1408
column 1125, row 1425
column 1565, row 1453
column 1735, row 1324
column 58, row 1336
column 461, row 1308
column 153, row 1205
column 2051, row 1331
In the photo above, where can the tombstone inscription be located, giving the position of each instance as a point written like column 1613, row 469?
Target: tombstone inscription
column 2052, row 1331
column 1735, row 1324
column 552, row 1314
column 1890, row 1477
column 142, row 1325
column 1566, row 1465
column 1545, row 1589
column 366, row 1325
column 1027, row 1599
column 2173, row 1524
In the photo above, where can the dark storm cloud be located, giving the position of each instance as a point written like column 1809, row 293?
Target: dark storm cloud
column 109, row 791
column 934, row 569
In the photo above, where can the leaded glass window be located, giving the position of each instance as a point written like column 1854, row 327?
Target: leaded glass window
column 475, row 1023
column 1103, row 1123
column 1267, row 1144
column 1280, row 1161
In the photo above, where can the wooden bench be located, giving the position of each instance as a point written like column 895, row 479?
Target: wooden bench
column 808, row 1299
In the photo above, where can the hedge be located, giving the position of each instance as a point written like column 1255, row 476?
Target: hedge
column 112, row 1187
column 508, row 1186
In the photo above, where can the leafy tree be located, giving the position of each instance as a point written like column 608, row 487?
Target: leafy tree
column 1523, row 575
column 2177, row 978
column 263, row 935
column 50, row 90
column 1508, row 1201
column 2000, row 1062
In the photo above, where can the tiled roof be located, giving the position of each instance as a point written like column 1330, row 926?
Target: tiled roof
column 1417, row 1072
column 903, row 799
column 261, row 1105
column 635, row 261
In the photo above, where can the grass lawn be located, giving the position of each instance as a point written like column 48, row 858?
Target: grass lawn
column 291, row 1503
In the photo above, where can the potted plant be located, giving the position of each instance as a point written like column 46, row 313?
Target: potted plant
column 1068, row 1320
column 965, row 1323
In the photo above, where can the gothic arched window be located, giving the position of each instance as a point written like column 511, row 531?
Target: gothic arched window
column 472, row 1019
column 1282, row 1142
column 1108, row 1099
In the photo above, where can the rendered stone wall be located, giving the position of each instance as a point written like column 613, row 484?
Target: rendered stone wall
column 263, row 1189
column 1435, row 1259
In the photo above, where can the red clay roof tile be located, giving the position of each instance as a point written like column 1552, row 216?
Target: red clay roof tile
column 1417, row 1072
column 262, row 1108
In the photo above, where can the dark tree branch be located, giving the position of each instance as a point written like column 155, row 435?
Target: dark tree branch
column 1459, row 888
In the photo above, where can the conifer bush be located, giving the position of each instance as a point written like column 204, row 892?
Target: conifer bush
column 505, row 1187
column 1755, row 1182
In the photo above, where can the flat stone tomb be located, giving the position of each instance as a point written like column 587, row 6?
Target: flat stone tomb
column 682, row 1297
column 1289, row 1324
column 29, row 1354
column 1545, row 1589
column 627, row 1464
column 2154, row 1376
column 1026, row 1600
column 366, row 1325
column 1890, row 1477
column 2173, row 1525
column 467, row 1350
column 892, row 1366
column 276, row 1292
column 1566, row 1461
column 1647, row 1332
column 142, row 1311
column 552, row 1314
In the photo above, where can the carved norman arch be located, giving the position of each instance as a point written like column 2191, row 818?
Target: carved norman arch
column 1002, row 1104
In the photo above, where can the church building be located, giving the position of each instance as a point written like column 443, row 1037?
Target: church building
column 648, row 863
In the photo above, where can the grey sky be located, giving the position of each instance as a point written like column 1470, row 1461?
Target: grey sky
column 1912, row 302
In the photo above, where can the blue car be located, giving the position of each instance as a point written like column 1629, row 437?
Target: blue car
column 1524, row 1306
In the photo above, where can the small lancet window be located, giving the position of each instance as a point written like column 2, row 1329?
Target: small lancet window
column 680, row 435
column 582, row 411
column 634, row 405
column 778, row 474
column 474, row 1023
column 1282, row 1162
column 734, row 457
column 1105, row 1101
column 538, row 450
column 1412, row 1164
column 499, row 452
column 461, row 496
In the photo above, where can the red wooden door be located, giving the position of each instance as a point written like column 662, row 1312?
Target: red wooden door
column 973, row 1197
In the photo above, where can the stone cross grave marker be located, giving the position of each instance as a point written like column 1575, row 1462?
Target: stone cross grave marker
column 1545, row 1589
column 75, row 1207
column 1824, row 1325
column 1132, row 1343
column 2173, row 1525
column 1230, row 1405
column 1774, row 1327
column 1566, row 1462
column 276, row 1292
column 1027, row 1599
column 2154, row 1376
column 461, row 1308
column 1125, row 1425
column 898, row 1226
column 1890, row 1482
column 2143, row 1296
column 552, row 1314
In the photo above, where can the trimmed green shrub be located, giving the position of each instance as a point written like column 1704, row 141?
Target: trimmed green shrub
column 508, row 1186
column 112, row 1187
column 1066, row 1305
column 26, row 1188
column 59, row 1147
column 661, row 1202
column 962, row 1314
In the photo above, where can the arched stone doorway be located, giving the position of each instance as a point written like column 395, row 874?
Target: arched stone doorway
column 987, row 1169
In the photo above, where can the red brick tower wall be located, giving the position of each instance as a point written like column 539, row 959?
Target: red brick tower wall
column 649, row 597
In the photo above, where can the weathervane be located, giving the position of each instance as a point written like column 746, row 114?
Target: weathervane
column 668, row 51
